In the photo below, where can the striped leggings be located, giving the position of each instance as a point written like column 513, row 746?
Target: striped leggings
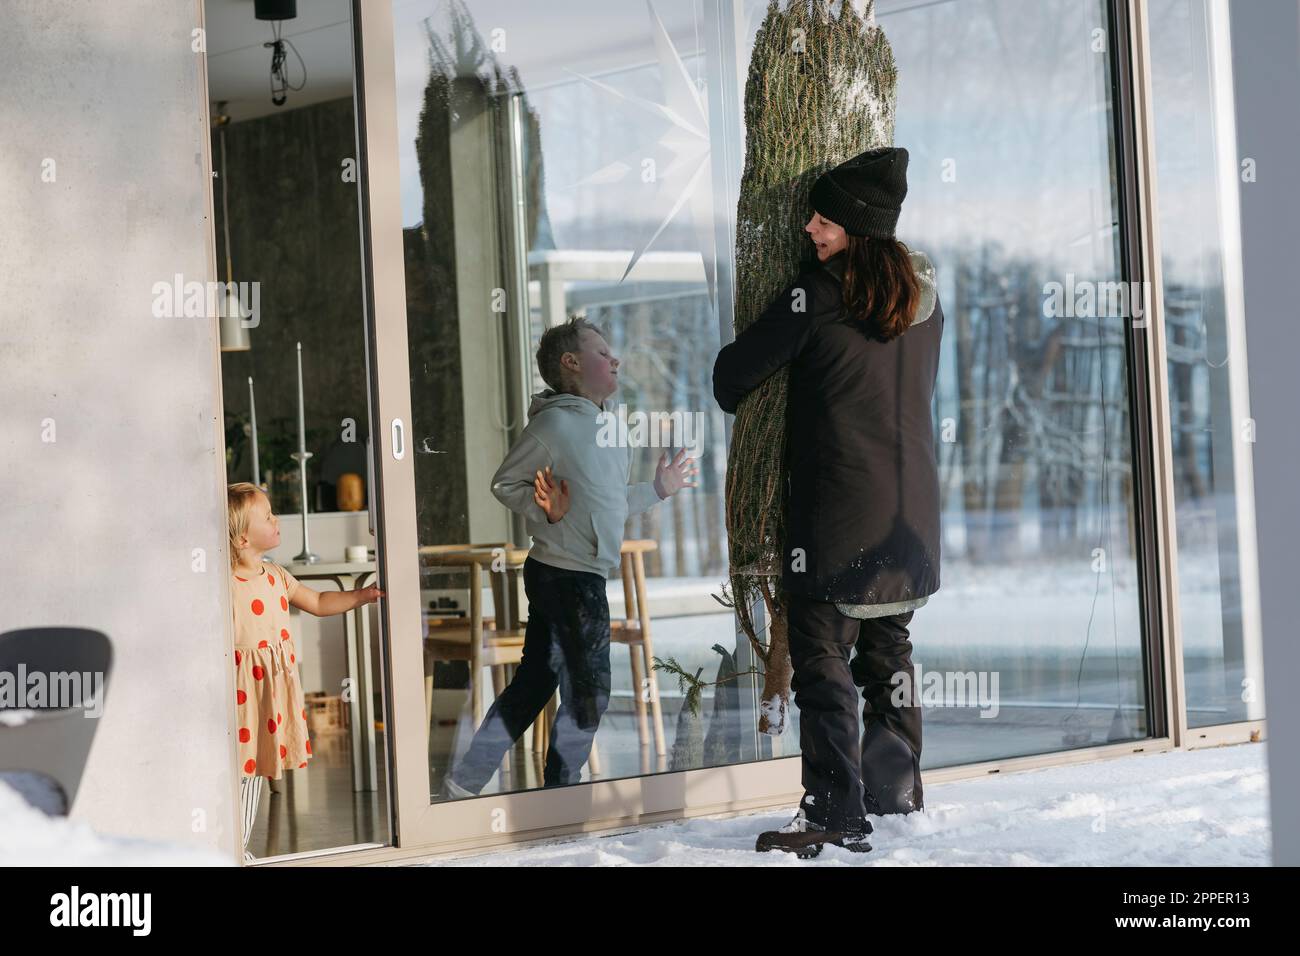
column 250, row 791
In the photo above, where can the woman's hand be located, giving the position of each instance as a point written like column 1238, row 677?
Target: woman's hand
column 670, row 477
column 552, row 499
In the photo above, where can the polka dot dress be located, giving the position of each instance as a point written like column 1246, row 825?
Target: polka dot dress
column 268, row 692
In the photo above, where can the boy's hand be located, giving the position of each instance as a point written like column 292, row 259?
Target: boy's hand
column 552, row 499
column 670, row 477
column 368, row 595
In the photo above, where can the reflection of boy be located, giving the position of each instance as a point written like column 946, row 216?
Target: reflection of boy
column 573, row 491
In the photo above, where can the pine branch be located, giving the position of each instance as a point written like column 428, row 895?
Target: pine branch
column 690, row 684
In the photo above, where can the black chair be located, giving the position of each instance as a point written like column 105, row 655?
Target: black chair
column 43, row 751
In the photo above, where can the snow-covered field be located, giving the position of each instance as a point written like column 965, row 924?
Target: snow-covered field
column 1197, row 808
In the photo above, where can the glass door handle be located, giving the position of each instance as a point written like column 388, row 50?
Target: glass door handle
column 399, row 439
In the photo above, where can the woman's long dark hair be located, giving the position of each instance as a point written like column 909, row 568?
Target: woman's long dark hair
column 880, row 291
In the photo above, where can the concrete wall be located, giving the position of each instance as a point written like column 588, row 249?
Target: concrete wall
column 294, row 230
column 1266, row 73
column 100, row 524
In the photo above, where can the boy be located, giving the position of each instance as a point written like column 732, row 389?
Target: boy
column 574, row 492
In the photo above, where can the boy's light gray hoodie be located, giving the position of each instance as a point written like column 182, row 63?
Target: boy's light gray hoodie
column 562, row 432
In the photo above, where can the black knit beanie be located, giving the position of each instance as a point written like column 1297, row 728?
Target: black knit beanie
column 864, row 195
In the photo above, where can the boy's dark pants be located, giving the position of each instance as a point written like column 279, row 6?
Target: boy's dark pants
column 566, row 644
column 825, row 688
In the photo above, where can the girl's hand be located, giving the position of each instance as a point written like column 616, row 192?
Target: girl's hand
column 552, row 499
column 368, row 595
column 670, row 477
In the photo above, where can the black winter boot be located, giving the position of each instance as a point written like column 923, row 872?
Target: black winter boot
column 805, row 839
column 891, row 773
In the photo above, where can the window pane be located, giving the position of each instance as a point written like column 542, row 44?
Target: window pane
column 1005, row 108
column 555, row 161
column 1222, row 655
column 559, row 161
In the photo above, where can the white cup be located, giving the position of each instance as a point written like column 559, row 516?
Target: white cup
column 355, row 554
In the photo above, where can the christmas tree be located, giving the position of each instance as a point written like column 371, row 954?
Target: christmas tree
column 820, row 90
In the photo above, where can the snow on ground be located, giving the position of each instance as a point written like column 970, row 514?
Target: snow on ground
column 1183, row 808
column 30, row 838
column 1197, row 808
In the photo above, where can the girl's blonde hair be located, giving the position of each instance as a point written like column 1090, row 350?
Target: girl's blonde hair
column 240, row 498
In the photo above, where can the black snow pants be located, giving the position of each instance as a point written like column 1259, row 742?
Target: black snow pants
column 825, row 686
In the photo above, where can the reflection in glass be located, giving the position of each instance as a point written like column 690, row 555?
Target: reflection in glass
column 553, row 163
column 1034, row 641
column 1222, row 656
column 544, row 177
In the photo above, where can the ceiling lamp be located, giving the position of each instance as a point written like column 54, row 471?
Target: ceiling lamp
column 277, row 11
column 233, row 331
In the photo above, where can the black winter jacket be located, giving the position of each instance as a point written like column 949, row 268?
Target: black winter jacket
column 862, row 503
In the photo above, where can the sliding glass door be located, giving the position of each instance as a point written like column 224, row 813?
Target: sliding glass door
column 527, row 163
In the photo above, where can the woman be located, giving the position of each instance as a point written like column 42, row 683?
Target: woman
column 862, row 513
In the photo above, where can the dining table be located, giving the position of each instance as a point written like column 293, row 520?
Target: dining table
column 348, row 576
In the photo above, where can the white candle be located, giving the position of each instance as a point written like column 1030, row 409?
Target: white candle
column 302, row 425
column 252, row 414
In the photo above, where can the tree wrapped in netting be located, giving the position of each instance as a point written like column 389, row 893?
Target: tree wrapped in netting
column 820, row 90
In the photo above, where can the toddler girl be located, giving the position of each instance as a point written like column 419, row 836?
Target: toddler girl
column 268, row 696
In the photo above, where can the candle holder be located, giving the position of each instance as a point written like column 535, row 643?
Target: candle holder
column 305, row 556
column 252, row 417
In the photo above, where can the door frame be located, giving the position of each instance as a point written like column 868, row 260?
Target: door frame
column 423, row 828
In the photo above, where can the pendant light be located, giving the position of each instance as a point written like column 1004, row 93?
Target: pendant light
column 277, row 11
column 234, row 334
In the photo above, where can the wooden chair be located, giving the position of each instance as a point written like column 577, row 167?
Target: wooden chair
column 632, row 630
column 494, row 641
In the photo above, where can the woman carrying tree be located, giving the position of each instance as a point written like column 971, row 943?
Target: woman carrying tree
column 860, row 330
